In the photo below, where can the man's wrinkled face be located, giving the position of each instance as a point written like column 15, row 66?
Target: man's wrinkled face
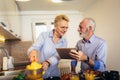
column 82, row 29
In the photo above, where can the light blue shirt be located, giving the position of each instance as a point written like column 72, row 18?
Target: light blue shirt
column 96, row 49
column 47, row 50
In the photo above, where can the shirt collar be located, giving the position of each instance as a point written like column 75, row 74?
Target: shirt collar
column 51, row 35
column 90, row 40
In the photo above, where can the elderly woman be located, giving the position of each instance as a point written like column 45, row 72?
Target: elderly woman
column 44, row 49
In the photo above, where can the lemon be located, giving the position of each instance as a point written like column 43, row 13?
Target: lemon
column 34, row 66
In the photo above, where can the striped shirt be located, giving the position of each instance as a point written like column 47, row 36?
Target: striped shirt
column 95, row 48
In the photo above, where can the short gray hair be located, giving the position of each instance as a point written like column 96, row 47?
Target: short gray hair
column 92, row 23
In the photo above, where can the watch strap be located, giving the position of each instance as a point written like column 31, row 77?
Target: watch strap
column 87, row 60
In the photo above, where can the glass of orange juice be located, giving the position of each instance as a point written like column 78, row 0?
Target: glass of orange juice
column 74, row 77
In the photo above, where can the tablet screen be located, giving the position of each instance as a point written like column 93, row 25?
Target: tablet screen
column 64, row 52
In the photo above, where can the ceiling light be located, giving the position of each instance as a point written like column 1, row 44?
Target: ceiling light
column 57, row 1
column 23, row 0
column 66, row 0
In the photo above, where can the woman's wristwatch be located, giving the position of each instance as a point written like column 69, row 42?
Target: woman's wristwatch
column 48, row 62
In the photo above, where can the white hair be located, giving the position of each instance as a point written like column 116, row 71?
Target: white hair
column 91, row 22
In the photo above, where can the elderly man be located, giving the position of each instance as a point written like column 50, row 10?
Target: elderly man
column 91, row 50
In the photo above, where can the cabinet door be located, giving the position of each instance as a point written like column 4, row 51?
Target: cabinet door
column 13, row 17
column 3, row 17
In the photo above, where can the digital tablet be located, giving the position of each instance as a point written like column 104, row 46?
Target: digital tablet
column 64, row 52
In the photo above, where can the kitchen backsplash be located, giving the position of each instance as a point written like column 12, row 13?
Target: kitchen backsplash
column 19, row 50
column 16, row 49
column 2, row 54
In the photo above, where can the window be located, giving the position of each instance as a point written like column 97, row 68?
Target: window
column 40, row 27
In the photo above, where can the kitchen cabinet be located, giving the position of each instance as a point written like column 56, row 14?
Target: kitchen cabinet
column 10, row 16
column 8, row 35
column 3, row 17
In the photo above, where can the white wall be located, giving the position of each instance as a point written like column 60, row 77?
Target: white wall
column 29, row 17
column 107, row 16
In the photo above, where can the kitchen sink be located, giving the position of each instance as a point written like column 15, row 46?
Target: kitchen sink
column 19, row 67
column 9, row 75
column 14, row 72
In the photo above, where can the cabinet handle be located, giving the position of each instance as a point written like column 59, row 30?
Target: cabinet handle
column 11, row 30
column 3, row 24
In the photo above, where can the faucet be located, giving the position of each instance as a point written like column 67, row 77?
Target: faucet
column 7, row 60
column 5, row 51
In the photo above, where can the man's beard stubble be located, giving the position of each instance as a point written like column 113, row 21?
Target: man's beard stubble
column 83, row 35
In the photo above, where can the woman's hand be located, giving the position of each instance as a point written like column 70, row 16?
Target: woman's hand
column 33, row 56
column 45, row 65
column 79, row 56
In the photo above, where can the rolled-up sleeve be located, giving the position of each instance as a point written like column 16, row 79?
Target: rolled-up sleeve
column 73, row 63
column 100, row 63
column 96, row 65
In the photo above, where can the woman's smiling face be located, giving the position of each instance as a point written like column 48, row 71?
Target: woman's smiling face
column 61, row 27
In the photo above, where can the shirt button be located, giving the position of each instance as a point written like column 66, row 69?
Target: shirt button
column 51, row 77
